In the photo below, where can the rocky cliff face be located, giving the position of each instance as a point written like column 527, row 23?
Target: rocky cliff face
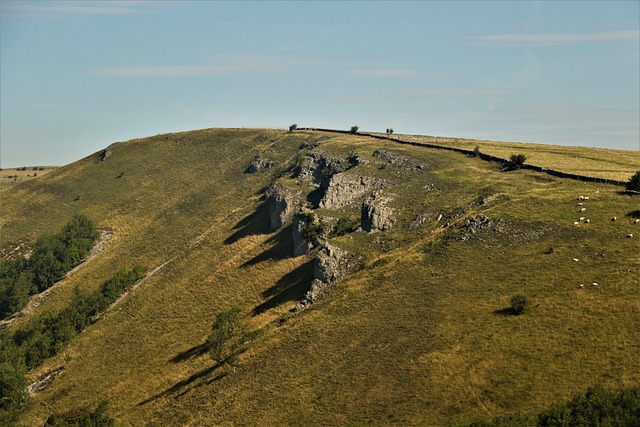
column 376, row 215
column 317, row 168
column 283, row 202
column 331, row 263
column 300, row 243
column 344, row 190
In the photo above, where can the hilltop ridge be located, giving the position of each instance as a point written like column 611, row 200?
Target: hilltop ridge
column 373, row 276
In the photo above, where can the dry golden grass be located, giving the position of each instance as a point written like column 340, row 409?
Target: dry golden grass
column 414, row 338
column 598, row 162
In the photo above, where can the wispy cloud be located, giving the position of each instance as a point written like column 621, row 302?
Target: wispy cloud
column 251, row 64
column 383, row 73
column 229, row 64
column 557, row 38
column 48, row 8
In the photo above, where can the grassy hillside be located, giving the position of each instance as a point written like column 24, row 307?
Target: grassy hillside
column 602, row 163
column 419, row 335
column 13, row 176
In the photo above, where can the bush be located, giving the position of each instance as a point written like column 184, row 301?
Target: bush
column 634, row 182
column 342, row 227
column 476, row 152
column 519, row 304
column 354, row 129
column 515, row 162
column 293, row 127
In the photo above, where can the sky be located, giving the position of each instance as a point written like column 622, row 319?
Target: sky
column 78, row 76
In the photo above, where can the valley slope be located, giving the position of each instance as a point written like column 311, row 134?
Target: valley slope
column 416, row 332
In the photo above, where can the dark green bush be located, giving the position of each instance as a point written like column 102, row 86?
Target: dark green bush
column 354, row 129
column 634, row 182
column 515, row 162
column 52, row 257
column 519, row 304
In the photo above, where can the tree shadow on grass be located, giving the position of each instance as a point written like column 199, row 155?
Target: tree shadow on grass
column 255, row 223
column 508, row 311
column 282, row 248
column 180, row 387
column 194, row 351
column 291, row 287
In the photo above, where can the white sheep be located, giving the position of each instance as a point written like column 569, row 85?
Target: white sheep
column 615, row 218
column 587, row 221
column 576, row 259
column 581, row 218
column 576, row 223
column 586, row 198
column 629, row 236
column 583, row 209
column 581, row 286
column 580, row 204
column 594, row 284
column 580, row 197
column 636, row 221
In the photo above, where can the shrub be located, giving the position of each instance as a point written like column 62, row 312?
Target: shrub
column 342, row 227
column 389, row 131
column 515, row 162
column 518, row 304
column 634, row 182
column 476, row 152
column 293, row 127
column 354, row 129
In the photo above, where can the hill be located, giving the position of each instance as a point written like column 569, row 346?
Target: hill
column 407, row 324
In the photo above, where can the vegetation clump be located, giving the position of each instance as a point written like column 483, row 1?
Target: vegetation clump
column 228, row 337
column 598, row 407
column 82, row 418
column 515, row 162
column 52, row 257
column 634, row 183
column 519, row 304
column 354, row 129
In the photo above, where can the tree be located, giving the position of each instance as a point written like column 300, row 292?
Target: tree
column 225, row 328
column 354, row 129
column 293, row 127
column 389, row 131
column 634, row 182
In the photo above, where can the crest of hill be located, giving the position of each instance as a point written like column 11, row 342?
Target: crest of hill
column 417, row 335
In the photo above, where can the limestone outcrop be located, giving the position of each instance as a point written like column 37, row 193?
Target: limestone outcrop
column 331, row 263
column 258, row 164
column 344, row 189
column 301, row 245
column 283, row 202
column 376, row 215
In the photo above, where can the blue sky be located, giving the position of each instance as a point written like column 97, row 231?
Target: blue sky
column 77, row 76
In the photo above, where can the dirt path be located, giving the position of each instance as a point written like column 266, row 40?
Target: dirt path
column 37, row 299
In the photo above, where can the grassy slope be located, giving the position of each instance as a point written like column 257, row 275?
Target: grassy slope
column 598, row 162
column 8, row 176
column 412, row 338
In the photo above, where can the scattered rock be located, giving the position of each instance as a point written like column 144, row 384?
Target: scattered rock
column 318, row 168
column 258, row 164
column 406, row 163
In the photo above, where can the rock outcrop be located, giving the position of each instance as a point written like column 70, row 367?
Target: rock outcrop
column 317, row 168
column 344, row 189
column 104, row 154
column 301, row 245
column 406, row 163
column 258, row 164
column 283, row 202
column 376, row 215
column 331, row 263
